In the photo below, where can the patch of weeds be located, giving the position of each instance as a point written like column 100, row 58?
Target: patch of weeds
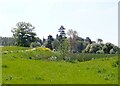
column 73, row 61
column 106, row 78
column 109, row 76
column 104, row 59
column 101, row 70
column 9, row 78
column 52, row 58
column 51, row 80
column 13, row 58
column 30, row 57
column 4, row 66
column 39, row 78
column 115, row 64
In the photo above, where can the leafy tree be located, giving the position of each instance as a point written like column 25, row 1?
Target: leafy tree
column 38, row 40
column 62, row 35
column 80, row 46
column 55, row 44
column 7, row 41
column 112, row 51
column 99, row 41
column 43, row 41
column 88, row 40
column 107, row 47
column 35, row 44
column 24, row 34
column 100, row 52
column 80, row 39
column 64, row 48
column 86, row 50
column 49, row 42
column 93, row 48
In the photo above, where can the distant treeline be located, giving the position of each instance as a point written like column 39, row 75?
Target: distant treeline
column 23, row 35
column 7, row 41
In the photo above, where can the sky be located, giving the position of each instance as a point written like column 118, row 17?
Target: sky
column 90, row 18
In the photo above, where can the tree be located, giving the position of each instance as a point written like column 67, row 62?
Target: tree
column 7, row 41
column 99, row 41
column 55, row 44
column 64, row 48
column 23, row 34
column 107, row 47
column 62, row 35
column 39, row 40
column 73, row 35
column 49, row 42
column 35, row 44
column 112, row 51
column 93, row 48
column 43, row 40
column 80, row 46
column 88, row 40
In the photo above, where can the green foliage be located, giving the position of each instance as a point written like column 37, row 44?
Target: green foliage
column 55, row 44
column 24, row 34
column 85, row 57
column 99, row 41
column 112, row 51
column 88, row 40
column 62, row 33
column 80, row 46
column 107, row 47
column 7, row 41
column 35, row 44
column 64, row 47
column 4, row 66
column 100, row 52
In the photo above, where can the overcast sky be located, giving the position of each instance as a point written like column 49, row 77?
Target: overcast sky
column 90, row 18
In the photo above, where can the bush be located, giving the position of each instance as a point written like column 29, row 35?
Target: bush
column 35, row 44
column 112, row 51
column 100, row 52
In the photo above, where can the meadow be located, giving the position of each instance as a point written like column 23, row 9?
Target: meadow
column 28, row 66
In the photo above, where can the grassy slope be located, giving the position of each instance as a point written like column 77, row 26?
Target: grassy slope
column 21, row 70
column 13, row 48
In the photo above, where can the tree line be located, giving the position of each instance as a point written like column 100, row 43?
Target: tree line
column 24, row 35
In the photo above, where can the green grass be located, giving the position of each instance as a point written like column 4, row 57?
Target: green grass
column 14, row 48
column 18, row 69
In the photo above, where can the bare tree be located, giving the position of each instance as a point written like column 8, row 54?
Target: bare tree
column 72, row 38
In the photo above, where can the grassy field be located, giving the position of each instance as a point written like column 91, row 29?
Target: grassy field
column 19, row 70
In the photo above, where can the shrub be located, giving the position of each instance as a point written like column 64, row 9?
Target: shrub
column 35, row 44
column 100, row 52
column 52, row 58
column 112, row 51
column 4, row 66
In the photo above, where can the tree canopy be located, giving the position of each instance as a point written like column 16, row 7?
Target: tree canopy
column 23, row 34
